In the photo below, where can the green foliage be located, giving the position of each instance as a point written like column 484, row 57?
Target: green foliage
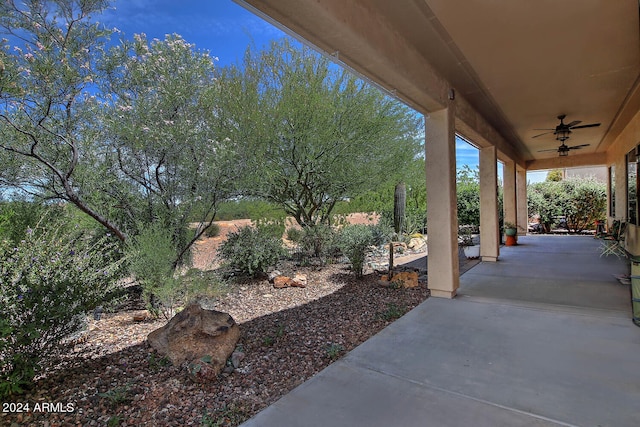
column 117, row 395
column 49, row 280
column 156, row 362
column 581, row 201
column 225, row 416
column 319, row 134
column 251, row 250
column 16, row 217
column 272, row 227
column 317, row 240
column 399, row 207
column 382, row 233
column 248, row 209
column 334, row 350
column 554, row 175
column 151, row 254
column 585, row 202
column 391, row 313
column 294, row 234
column 542, row 201
column 468, row 196
column 213, row 230
column 354, row 242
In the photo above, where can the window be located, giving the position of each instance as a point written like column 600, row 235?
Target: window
column 632, row 186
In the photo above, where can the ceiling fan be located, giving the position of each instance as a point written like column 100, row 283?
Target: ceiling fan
column 563, row 130
column 564, row 149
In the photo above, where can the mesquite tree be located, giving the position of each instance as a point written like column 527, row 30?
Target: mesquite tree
column 47, row 70
column 131, row 136
column 320, row 135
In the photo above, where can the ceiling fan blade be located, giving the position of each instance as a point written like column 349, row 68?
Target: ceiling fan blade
column 575, row 147
column 551, row 149
column 573, row 123
column 535, row 136
column 592, row 125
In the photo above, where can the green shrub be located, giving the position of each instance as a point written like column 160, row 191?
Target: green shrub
column 317, row 240
column 49, row 280
column 17, row 216
column 382, row 234
column 152, row 254
column 213, row 230
column 354, row 241
column 251, row 250
column 270, row 226
column 294, row 234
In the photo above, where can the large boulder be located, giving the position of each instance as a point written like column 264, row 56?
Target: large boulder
column 197, row 334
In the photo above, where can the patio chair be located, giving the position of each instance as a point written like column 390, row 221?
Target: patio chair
column 613, row 242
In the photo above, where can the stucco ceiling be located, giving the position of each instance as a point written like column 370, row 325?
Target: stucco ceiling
column 518, row 63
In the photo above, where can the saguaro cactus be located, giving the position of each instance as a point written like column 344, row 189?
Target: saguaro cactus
column 399, row 206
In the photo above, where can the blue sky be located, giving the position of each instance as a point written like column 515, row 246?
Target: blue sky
column 223, row 28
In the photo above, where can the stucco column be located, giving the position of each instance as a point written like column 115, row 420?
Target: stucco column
column 489, row 227
column 509, row 197
column 442, row 212
column 621, row 189
column 521, row 201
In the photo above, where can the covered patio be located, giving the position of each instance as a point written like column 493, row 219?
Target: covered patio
column 543, row 338
column 533, row 85
column 540, row 333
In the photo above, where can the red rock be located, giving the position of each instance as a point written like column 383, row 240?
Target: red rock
column 406, row 279
column 281, row 282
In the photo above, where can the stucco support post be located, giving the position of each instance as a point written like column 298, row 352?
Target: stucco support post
column 442, row 212
column 621, row 189
column 489, row 226
column 521, row 201
column 509, row 197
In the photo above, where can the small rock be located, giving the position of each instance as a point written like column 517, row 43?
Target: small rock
column 272, row 275
column 300, row 278
column 141, row 317
column 416, row 243
column 298, row 281
column 281, row 282
column 236, row 358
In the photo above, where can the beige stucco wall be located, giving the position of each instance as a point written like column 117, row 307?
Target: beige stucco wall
column 628, row 139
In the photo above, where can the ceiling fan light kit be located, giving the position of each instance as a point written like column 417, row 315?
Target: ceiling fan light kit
column 562, row 132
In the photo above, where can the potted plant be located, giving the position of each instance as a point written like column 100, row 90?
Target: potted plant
column 510, row 229
column 466, row 241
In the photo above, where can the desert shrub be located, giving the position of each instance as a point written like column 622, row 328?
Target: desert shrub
column 270, row 226
column 248, row 209
column 382, row 233
column 317, row 240
column 18, row 215
column 252, row 250
column 354, row 241
column 294, row 234
column 213, row 230
column 415, row 221
column 202, row 287
column 152, row 255
column 49, row 280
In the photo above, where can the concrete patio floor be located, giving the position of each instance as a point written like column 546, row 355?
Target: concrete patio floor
column 542, row 337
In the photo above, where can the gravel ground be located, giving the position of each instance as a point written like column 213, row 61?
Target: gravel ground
column 288, row 335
